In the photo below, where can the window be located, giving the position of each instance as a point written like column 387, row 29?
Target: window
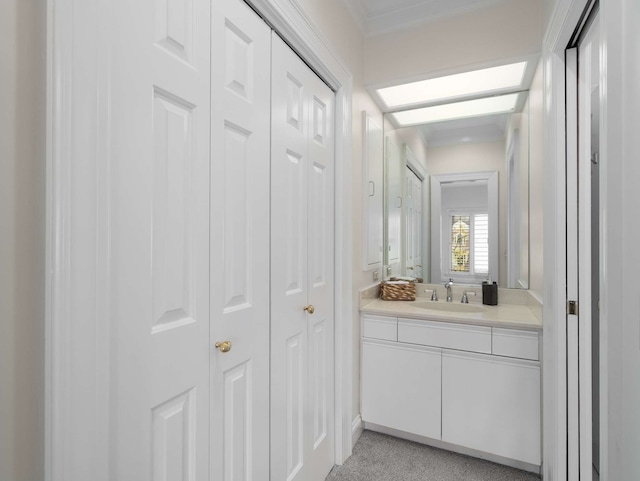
column 460, row 243
column 469, row 243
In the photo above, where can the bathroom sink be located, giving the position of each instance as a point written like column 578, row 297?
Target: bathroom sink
column 449, row 307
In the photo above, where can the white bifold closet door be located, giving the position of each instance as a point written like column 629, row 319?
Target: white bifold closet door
column 240, row 157
column 198, row 255
column 302, row 223
column 157, row 275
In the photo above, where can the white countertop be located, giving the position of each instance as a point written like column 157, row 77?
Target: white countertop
column 503, row 315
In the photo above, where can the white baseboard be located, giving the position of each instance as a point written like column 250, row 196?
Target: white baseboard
column 357, row 427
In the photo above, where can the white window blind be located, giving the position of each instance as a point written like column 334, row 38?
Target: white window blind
column 481, row 243
column 468, row 244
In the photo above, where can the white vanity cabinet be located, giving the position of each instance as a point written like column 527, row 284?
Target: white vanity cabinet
column 492, row 404
column 471, row 388
column 401, row 386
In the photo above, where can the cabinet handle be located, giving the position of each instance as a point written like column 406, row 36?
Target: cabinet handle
column 372, row 188
column 310, row 309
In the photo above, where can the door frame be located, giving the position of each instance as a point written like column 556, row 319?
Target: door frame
column 77, row 331
column 565, row 19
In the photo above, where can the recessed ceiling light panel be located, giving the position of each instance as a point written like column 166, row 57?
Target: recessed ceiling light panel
column 481, row 81
column 458, row 110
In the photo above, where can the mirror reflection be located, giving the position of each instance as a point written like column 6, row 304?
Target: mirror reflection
column 457, row 198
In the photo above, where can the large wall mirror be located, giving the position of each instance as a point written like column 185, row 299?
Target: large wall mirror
column 456, row 197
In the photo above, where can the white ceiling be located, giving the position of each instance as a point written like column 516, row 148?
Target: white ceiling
column 380, row 16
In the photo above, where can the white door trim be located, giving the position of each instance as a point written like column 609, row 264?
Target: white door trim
column 77, row 217
column 573, row 237
column 76, row 325
column 564, row 20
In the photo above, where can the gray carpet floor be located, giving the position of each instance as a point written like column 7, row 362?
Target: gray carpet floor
column 378, row 457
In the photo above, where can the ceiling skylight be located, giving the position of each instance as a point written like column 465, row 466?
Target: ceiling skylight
column 458, row 110
column 486, row 80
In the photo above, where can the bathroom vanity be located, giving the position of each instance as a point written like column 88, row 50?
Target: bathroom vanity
column 464, row 377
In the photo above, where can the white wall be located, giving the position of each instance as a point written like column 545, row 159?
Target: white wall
column 536, row 182
column 506, row 30
column 409, row 136
column 476, row 157
column 22, row 174
column 335, row 24
column 620, row 172
column 455, row 196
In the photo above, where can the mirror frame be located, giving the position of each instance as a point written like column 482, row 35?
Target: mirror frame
column 437, row 268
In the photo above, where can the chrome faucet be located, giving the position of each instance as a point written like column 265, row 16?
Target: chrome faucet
column 434, row 294
column 465, row 298
column 449, row 285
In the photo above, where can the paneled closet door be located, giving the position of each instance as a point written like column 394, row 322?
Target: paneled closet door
column 302, row 314
column 240, row 140
column 413, row 247
column 158, row 239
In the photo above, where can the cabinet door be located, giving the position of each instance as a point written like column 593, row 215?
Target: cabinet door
column 492, row 404
column 401, row 387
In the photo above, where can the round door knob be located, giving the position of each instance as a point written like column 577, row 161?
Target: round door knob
column 224, row 346
column 310, row 309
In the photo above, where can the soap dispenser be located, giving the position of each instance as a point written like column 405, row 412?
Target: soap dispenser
column 490, row 292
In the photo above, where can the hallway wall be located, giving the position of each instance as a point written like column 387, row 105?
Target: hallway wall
column 506, row 30
column 502, row 31
column 22, row 230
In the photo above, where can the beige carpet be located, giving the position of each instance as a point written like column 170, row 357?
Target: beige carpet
column 378, row 457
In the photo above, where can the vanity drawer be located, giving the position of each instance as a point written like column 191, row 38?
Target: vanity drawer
column 380, row 327
column 515, row 343
column 444, row 334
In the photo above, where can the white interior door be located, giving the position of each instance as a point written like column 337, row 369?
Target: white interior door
column 409, row 238
column 240, row 141
column 373, row 167
column 588, row 80
column 582, row 78
column 159, row 239
column 302, row 173
column 413, row 214
column 393, row 200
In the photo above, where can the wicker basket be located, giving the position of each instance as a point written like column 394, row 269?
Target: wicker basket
column 398, row 292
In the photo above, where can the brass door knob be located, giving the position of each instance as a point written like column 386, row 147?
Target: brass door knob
column 310, row 309
column 224, row 346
